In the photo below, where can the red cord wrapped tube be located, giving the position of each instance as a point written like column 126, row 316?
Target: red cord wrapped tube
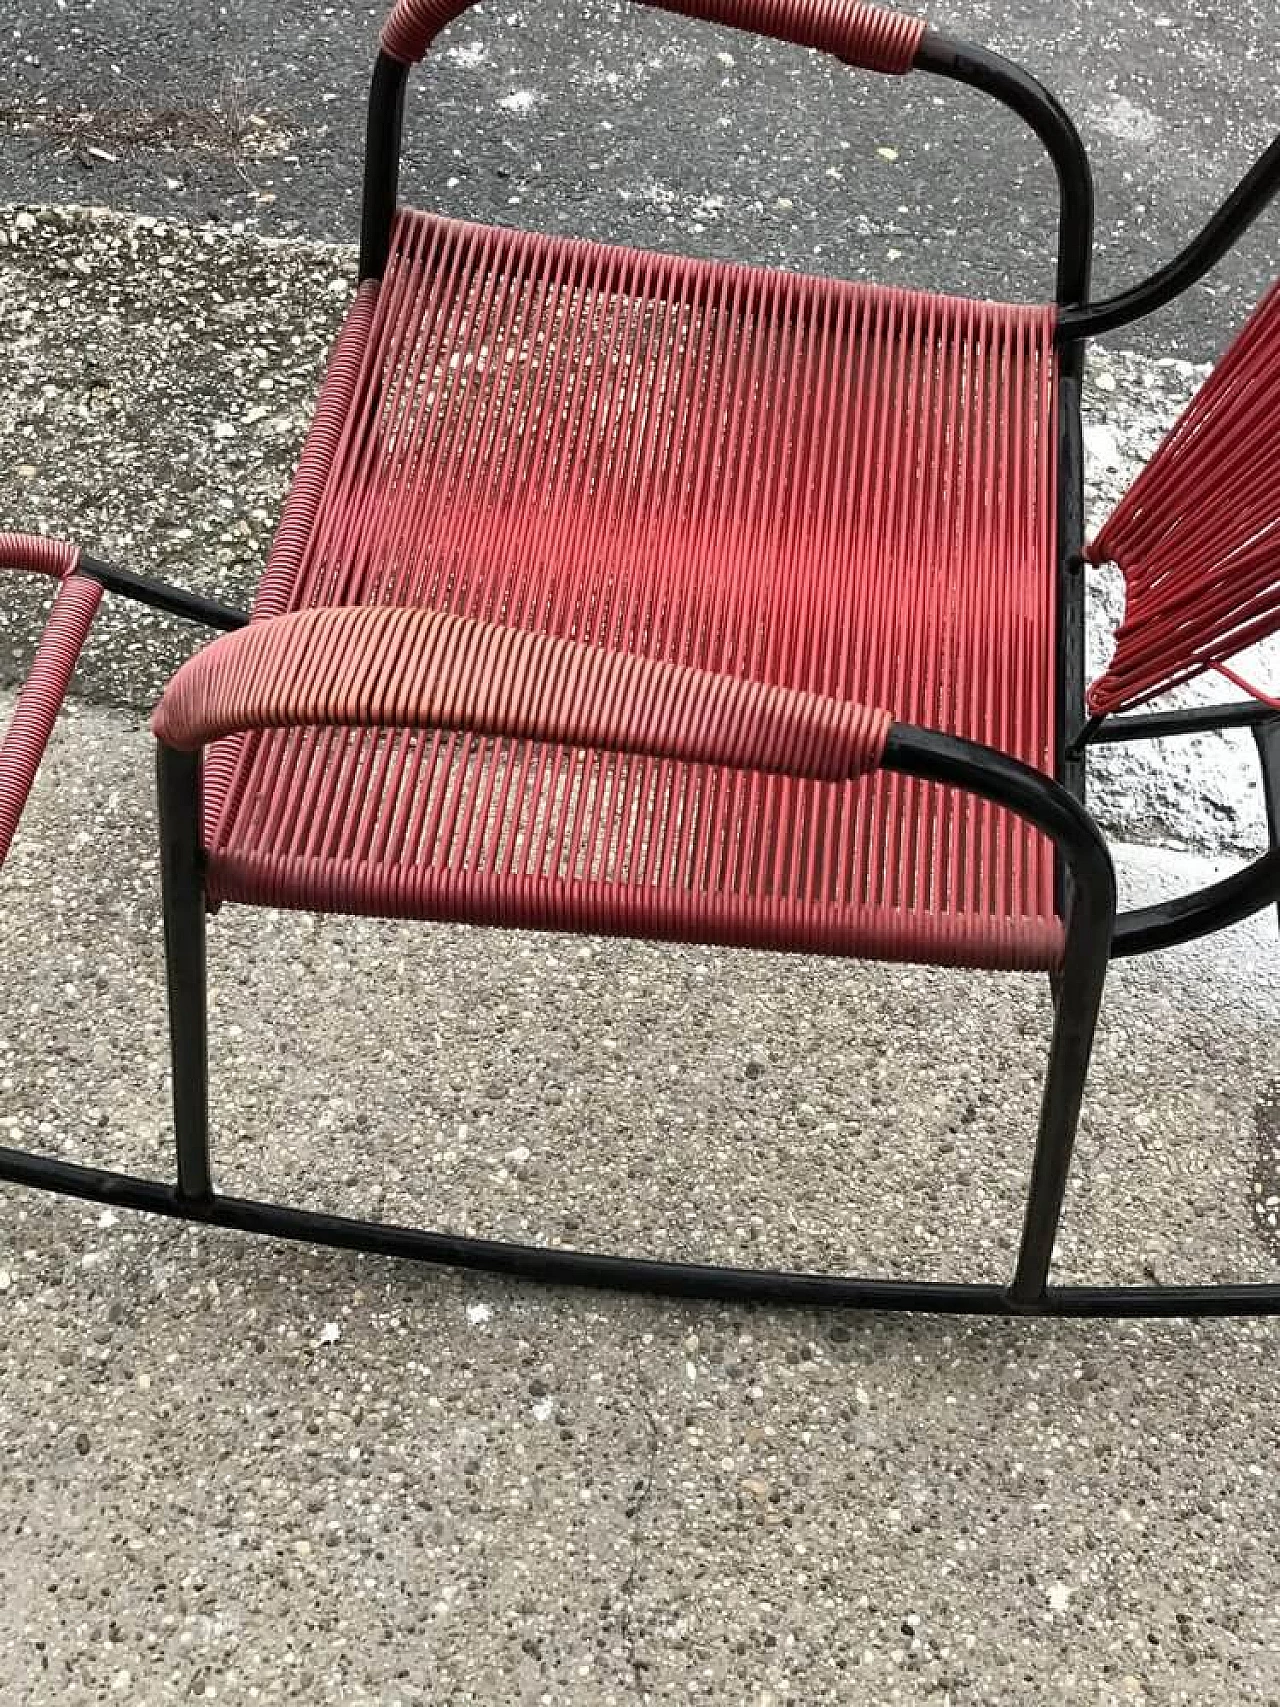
column 396, row 668
column 46, row 685
column 872, row 37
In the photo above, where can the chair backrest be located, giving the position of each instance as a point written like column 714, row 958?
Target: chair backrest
column 1197, row 537
column 874, row 37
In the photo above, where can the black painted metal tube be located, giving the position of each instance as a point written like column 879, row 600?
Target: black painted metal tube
column 1237, row 213
column 527, row 1262
column 1032, row 102
column 1070, row 687
column 936, row 757
column 178, row 786
column 381, row 163
column 159, row 595
column 1267, row 735
column 1142, row 930
column 1183, row 720
column 1090, row 917
column 624, row 1274
column 1230, row 1298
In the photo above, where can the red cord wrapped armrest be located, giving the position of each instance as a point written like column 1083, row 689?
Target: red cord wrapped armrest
column 391, row 667
column 862, row 34
column 75, row 605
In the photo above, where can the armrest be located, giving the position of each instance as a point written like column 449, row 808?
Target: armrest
column 385, row 667
column 75, row 605
column 37, row 554
column 869, row 36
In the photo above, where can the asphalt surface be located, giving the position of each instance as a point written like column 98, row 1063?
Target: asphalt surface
column 612, row 121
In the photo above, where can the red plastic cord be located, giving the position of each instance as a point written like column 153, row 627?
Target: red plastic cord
column 1237, row 680
column 414, row 669
column 45, row 688
column 38, row 555
column 1198, row 535
column 300, row 510
column 782, row 480
column 861, row 34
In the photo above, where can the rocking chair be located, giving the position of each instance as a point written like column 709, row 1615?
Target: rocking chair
column 629, row 594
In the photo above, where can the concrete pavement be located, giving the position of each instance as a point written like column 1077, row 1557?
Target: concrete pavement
column 249, row 1472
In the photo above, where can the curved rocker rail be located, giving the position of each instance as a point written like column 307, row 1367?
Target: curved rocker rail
column 624, row 1274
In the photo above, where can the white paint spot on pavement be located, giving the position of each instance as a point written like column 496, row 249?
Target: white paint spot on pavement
column 1100, row 444
column 1126, row 121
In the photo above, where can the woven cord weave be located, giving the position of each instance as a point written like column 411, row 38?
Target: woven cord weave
column 791, row 482
column 1197, row 536
column 301, row 507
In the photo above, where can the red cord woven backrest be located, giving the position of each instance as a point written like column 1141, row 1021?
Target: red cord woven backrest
column 1197, row 537
column 872, row 37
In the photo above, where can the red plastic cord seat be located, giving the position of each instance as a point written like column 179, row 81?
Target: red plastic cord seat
column 825, row 486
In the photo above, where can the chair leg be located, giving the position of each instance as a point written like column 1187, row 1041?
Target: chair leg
column 1077, row 997
column 178, row 779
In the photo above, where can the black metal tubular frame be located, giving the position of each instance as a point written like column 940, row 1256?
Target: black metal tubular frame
column 910, row 751
column 1180, row 720
column 163, row 596
column 1255, row 886
column 1094, row 933
column 1024, row 95
column 383, row 134
column 1029, row 100
column 1267, row 736
column 1165, row 924
column 1224, row 228
column 625, row 1274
